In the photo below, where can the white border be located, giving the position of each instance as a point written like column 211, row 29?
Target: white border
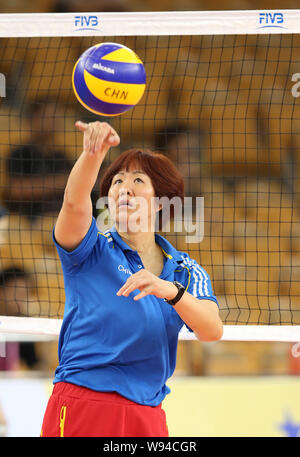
column 20, row 328
column 150, row 23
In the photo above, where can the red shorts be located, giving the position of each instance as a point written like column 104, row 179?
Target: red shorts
column 81, row 412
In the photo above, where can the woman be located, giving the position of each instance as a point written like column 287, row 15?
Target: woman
column 128, row 294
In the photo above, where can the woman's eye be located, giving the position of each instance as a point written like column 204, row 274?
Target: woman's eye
column 118, row 181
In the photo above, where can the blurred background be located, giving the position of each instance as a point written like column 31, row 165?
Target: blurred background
column 239, row 151
column 65, row 6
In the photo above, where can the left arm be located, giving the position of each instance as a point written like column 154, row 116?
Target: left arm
column 202, row 316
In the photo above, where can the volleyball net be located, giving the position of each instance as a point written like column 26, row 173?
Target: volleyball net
column 221, row 101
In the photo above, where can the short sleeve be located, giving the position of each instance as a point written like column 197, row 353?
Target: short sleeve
column 71, row 260
column 199, row 283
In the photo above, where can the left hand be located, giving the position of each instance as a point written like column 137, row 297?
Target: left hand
column 148, row 284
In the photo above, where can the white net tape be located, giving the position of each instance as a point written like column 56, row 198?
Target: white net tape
column 22, row 327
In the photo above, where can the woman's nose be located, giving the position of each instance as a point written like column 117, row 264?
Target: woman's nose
column 125, row 190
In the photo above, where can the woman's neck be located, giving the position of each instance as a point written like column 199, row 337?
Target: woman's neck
column 142, row 242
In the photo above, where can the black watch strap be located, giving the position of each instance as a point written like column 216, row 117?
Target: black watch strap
column 180, row 292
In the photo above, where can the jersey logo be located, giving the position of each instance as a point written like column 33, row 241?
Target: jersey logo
column 124, row 270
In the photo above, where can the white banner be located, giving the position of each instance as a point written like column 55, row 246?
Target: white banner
column 150, row 23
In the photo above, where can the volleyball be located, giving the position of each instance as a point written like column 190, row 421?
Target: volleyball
column 109, row 79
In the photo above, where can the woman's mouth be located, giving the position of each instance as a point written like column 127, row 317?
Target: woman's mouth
column 125, row 203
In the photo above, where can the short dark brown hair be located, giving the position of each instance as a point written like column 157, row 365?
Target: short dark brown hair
column 167, row 181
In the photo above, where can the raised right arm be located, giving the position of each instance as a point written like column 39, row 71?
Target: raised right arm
column 75, row 216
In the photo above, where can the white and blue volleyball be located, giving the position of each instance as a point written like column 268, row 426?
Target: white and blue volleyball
column 109, row 79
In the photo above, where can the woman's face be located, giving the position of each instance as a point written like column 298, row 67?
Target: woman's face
column 131, row 201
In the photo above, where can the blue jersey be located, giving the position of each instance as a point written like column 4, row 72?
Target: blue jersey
column 113, row 343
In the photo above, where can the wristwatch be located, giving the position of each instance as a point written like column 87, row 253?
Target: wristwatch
column 180, row 292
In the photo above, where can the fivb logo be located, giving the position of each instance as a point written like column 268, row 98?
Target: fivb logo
column 84, row 22
column 268, row 20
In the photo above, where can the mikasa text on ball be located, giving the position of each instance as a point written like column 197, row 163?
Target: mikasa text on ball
column 109, row 79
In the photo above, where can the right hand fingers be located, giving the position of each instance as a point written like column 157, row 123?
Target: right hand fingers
column 102, row 132
column 114, row 138
column 105, row 137
column 109, row 138
column 98, row 136
column 81, row 126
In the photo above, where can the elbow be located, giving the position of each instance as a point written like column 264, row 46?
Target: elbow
column 215, row 333
column 76, row 206
column 67, row 201
column 218, row 332
column 69, row 205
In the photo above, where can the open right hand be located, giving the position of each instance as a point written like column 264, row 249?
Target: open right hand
column 98, row 137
